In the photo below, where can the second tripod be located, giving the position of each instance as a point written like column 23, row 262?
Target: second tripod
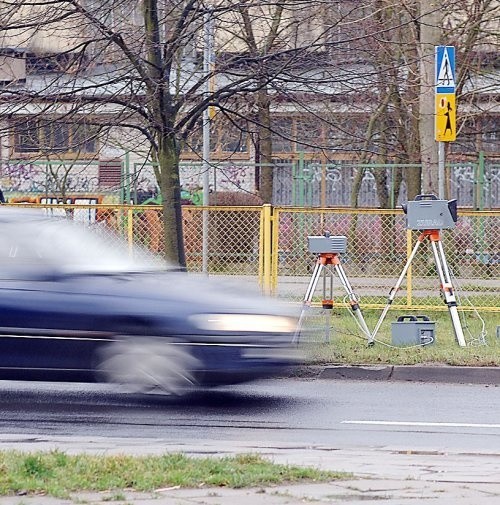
column 331, row 259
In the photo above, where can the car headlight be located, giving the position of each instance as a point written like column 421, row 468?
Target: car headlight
column 244, row 323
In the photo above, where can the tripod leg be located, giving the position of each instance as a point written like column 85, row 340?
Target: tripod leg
column 306, row 303
column 448, row 291
column 353, row 300
column 327, row 301
column 395, row 289
column 313, row 282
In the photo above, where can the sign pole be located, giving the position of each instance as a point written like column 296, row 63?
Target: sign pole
column 445, row 107
column 441, row 172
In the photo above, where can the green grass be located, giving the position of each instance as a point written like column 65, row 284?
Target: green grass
column 58, row 474
column 347, row 345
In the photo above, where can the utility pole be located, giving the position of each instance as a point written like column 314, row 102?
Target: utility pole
column 208, row 58
column 430, row 23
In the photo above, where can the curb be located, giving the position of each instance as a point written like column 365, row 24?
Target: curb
column 410, row 373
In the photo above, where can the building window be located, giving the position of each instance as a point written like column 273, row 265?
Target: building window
column 347, row 133
column 50, row 136
column 309, row 134
column 110, row 174
column 282, row 135
column 232, row 137
column 227, row 138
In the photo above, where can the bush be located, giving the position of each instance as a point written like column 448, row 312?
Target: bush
column 234, row 199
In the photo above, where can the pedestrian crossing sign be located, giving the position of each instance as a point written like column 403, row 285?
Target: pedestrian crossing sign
column 445, row 117
column 445, row 69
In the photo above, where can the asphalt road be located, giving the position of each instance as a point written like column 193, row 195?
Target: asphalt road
column 341, row 415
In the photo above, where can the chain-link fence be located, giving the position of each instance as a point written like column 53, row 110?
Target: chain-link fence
column 234, row 233
column 269, row 246
column 378, row 247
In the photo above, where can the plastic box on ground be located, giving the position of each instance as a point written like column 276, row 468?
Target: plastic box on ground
column 413, row 330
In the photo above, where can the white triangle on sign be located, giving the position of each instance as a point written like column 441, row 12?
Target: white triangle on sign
column 445, row 75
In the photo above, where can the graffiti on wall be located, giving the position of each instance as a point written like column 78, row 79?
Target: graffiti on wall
column 22, row 177
column 71, row 177
column 54, row 179
column 222, row 177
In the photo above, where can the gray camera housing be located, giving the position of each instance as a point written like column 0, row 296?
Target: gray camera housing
column 426, row 212
column 324, row 244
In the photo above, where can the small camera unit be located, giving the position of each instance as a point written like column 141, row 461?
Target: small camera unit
column 324, row 244
column 426, row 212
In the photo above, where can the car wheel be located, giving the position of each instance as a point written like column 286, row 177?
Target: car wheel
column 147, row 366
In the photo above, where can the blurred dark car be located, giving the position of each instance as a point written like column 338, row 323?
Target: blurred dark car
column 75, row 306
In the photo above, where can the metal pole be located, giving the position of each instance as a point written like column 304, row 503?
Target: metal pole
column 441, row 176
column 267, row 248
column 480, row 179
column 127, row 178
column 207, row 57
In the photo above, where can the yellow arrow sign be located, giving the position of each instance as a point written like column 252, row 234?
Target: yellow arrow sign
column 445, row 117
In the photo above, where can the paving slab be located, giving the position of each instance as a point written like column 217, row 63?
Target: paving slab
column 385, row 491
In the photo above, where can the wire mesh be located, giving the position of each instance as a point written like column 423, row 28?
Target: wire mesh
column 233, row 239
column 377, row 252
column 233, row 235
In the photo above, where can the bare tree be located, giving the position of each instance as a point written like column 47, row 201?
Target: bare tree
column 126, row 63
column 263, row 101
column 135, row 65
column 130, row 65
column 398, row 46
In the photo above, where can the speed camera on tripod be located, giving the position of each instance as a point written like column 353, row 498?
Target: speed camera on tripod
column 426, row 212
column 325, row 244
column 328, row 248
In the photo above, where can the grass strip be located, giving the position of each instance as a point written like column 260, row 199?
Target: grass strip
column 347, row 345
column 58, row 474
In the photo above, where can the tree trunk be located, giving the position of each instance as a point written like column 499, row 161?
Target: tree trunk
column 169, row 183
column 413, row 178
column 430, row 23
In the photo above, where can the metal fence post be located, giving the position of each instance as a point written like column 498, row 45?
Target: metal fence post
column 126, row 189
column 409, row 249
column 130, row 229
column 479, row 183
column 261, row 248
column 275, row 253
column 267, row 248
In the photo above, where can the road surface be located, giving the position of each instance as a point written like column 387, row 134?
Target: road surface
column 339, row 414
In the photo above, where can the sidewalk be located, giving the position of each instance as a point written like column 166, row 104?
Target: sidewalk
column 365, row 492
column 382, row 475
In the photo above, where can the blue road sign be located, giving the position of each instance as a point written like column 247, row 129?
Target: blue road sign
column 445, row 69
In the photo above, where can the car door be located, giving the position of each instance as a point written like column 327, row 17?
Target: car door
column 49, row 328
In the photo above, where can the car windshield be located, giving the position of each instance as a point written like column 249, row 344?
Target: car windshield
column 66, row 247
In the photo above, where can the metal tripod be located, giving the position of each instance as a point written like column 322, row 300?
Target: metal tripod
column 444, row 277
column 323, row 260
